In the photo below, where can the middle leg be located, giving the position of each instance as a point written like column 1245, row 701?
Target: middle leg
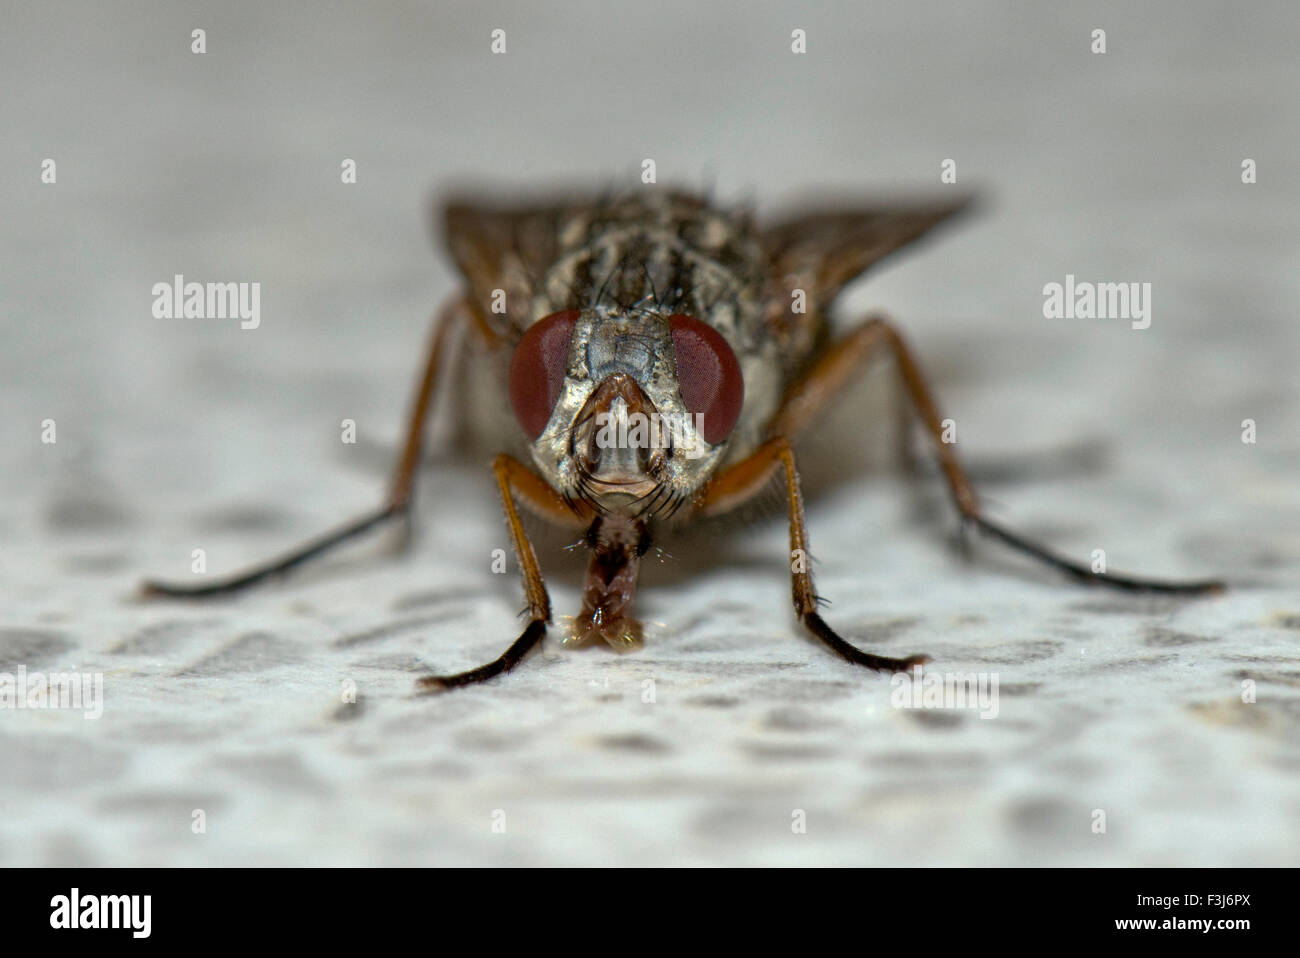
column 845, row 359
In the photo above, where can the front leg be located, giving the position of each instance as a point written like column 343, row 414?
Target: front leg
column 516, row 479
column 742, row 481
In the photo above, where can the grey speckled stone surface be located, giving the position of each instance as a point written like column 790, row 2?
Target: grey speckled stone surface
column 175, row 435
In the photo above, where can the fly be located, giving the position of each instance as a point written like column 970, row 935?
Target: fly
column 660, row 355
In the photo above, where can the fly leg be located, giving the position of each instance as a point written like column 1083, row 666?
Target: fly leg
column 516, row 479
column 746, row 478
column 397, row 504
column 845, row 360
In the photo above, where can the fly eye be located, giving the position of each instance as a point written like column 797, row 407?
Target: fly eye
column 707, row 375
column 537, row 370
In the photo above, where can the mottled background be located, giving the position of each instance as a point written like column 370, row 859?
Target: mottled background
column 183, row 434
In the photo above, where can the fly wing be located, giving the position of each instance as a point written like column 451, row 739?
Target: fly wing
column 505, row 249
column 822, row 252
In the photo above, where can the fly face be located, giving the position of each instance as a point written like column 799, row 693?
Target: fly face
column 627, row 410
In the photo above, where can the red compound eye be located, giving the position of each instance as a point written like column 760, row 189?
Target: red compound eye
column 537, row 370
column 707, row 375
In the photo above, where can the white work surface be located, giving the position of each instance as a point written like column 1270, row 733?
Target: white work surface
column 174, row 435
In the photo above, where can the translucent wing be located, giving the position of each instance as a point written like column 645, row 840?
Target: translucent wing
column 506, row 248
column 822, row 252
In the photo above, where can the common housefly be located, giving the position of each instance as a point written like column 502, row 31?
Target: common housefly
column 660, row 355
